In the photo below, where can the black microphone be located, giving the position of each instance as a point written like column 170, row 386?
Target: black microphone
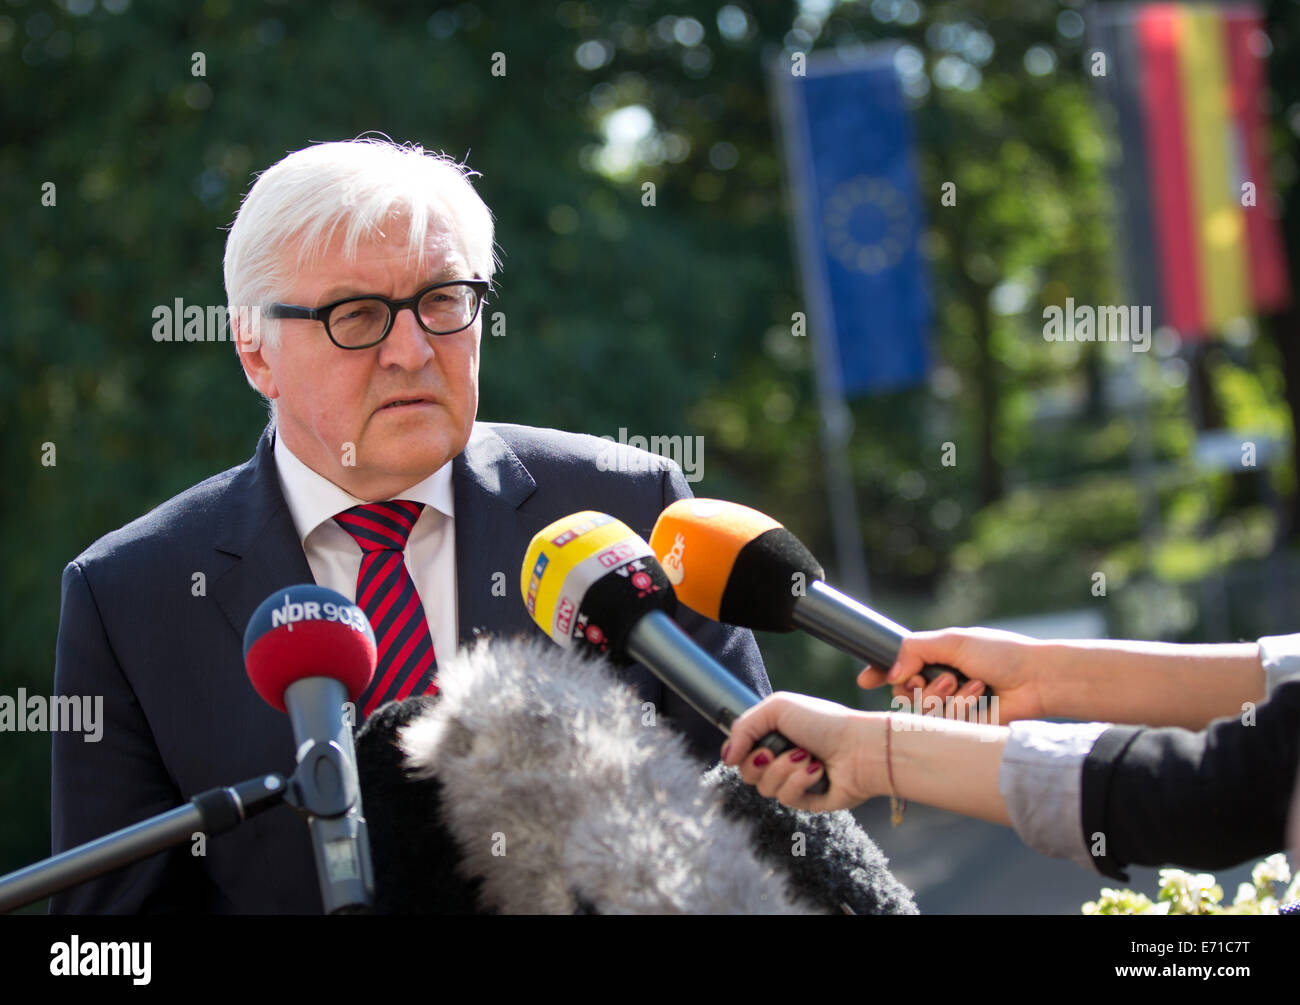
column 308, row 650
column 589, row 580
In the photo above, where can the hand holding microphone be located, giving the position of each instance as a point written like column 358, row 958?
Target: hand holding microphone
column 846, row 739
column 739, row 566
column 1014, row 666
column 589, row 580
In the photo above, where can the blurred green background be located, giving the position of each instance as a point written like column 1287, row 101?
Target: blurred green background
column 672, row 319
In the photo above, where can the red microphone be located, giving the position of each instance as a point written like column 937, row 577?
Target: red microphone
column 308, row 631
column 310, row 652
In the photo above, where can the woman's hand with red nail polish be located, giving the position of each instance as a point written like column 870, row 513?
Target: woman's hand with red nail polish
column 832, row 738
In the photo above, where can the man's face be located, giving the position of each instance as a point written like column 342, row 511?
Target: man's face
column 334, row 406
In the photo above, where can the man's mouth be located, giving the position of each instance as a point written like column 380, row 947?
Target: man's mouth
column 405, row 403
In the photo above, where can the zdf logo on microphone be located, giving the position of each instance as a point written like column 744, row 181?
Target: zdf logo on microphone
column 673, row 565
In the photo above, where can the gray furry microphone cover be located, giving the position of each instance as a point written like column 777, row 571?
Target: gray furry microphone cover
column 535, row 782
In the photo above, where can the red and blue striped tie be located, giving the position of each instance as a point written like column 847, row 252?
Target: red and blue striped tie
column 386, row 592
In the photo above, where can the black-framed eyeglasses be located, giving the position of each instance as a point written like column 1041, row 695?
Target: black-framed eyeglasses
column 362, row 322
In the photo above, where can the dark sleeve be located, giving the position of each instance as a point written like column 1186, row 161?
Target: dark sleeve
column 118, row 780
column 734, row 648
column 1206, row 800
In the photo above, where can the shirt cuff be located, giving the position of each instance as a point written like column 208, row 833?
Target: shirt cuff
column 1041, row 781
column 1280, row 657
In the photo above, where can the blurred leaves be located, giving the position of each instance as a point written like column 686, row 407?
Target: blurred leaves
column 665, row 319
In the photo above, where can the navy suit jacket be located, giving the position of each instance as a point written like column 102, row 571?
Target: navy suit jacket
column 153, row 618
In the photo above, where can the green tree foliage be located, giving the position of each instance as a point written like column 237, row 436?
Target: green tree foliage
column 664, row 318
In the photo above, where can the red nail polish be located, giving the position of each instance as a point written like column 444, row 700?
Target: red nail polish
column 812, row 767
column 799, row 755
column 761, row 760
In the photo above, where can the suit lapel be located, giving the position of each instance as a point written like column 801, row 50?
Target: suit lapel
column 257, row 529
column 490, row 483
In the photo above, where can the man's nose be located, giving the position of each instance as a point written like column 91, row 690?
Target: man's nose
column 408, row 345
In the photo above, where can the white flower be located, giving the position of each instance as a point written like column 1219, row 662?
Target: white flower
column 1273, row 869
column 1189, row 892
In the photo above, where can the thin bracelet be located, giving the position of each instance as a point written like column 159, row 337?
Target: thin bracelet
column 897, row 806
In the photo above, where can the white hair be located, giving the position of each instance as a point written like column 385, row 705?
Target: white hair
column 294, row 209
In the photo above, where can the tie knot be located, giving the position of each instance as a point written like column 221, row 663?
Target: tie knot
column 381, row 526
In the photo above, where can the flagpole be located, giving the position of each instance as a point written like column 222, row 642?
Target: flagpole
column 836, row 418
column 1137, row 249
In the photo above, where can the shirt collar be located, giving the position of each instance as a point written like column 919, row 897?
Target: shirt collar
column 313, row 499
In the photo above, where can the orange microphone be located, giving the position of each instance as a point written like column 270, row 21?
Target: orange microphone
column 739, row 566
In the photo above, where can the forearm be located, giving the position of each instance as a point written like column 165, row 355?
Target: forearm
column 1027, row 777
column 941, row 762
column 1150, row 683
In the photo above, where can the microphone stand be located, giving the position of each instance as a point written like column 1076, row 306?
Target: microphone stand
column 310, row 791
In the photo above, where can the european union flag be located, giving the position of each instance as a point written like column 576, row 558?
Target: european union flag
column 849, row 146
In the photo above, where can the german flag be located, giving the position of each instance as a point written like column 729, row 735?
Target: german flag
column 1187, row 81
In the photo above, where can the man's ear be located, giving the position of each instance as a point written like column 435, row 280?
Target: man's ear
column 250, row 346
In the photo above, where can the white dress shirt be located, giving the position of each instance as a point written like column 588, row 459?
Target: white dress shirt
column 335, row 557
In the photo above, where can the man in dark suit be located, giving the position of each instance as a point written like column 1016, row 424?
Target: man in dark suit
column 374, row 393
